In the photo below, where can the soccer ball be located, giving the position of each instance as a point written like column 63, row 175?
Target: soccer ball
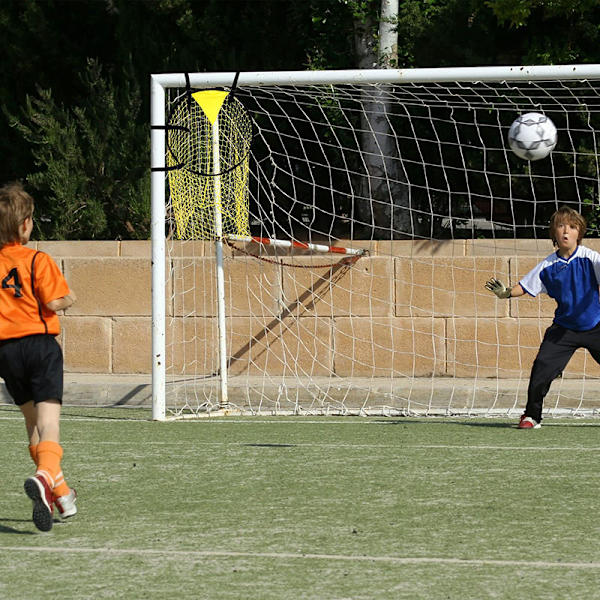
column 532, row 136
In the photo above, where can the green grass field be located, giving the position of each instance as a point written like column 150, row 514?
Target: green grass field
column 299, row 508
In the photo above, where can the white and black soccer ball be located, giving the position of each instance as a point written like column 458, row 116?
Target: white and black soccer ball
column 532, row 136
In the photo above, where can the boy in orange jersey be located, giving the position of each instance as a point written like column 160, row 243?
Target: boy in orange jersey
column 32, row 289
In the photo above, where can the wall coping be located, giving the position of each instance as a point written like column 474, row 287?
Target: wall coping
column 432, row 248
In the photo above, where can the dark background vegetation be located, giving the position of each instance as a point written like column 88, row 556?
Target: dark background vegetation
column 75, row 92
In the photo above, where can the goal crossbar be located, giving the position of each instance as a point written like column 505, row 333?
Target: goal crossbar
column 332, row 77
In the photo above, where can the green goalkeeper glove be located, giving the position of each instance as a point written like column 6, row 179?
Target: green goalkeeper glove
column 498, row 288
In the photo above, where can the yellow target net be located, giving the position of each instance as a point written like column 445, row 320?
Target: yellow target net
column 208, row 145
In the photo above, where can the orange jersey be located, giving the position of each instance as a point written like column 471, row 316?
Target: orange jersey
column 29, row 280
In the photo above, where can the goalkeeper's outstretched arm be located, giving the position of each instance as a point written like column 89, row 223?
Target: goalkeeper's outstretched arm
column 498, row 288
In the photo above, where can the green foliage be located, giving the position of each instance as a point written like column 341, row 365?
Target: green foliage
column 89, row 168
column 592, row 215
column 322, row 50
column 519, row 12
column 414, row 20
column 557, row 31
column 361, row 10
column 91, row 180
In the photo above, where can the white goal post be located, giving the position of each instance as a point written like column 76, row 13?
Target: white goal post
column 320, row 239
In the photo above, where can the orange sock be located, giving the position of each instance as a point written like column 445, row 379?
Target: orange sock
column 49, row 455
column 33, row 453
column 60, row 485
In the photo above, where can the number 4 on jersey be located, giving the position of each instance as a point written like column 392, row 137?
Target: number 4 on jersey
column 13, row 275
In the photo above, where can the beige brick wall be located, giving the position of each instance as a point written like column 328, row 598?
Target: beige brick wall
column 407, row 308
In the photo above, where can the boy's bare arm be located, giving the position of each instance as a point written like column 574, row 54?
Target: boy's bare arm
column 517, row 291
column 62, row 303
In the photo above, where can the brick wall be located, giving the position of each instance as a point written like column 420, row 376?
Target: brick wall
column 410, row 307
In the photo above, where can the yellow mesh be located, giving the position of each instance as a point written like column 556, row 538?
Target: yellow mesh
column 214, row 154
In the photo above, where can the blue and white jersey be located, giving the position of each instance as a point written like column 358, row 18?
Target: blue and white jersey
column 573, row 283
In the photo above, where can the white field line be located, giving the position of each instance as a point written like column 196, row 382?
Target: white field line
column 13, row 415
column 289, row 444
column 400, row 560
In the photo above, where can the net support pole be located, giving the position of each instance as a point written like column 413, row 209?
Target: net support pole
column 223, row 400
column 157, row 117
column 294, row 244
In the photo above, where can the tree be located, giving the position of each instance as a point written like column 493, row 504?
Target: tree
column 91, row 179
column 68, row 135
column 382, row 192
column 47, row 44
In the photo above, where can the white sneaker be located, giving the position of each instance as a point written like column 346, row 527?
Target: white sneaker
column 66, row 504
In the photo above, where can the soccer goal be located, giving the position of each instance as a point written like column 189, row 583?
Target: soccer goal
column 321, row 240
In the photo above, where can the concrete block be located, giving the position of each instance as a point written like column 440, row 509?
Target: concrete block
column 209, row 249
column 77, row 248
column 509, row 247
column 254, row 347
column 132, row 345
column 135, row 249
column 421, row 248
column 289, row 347
column 110, row 286
column 361, row 289
column 187, row 248
column 503, row 348
column 192, row 347
column 449, row 287
column 194, row 286
column 87, row 344
column 251, row 287
column 389, row 347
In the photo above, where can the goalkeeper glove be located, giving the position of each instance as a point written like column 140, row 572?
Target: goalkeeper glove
column 498, row 288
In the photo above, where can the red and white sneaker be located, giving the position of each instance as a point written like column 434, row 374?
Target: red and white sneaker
column 66, row 504
column 528, row 423
column 39, row 492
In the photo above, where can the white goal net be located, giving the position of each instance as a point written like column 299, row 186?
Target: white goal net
column 322, row 240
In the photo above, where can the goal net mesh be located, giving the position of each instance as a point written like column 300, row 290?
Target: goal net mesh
column 205, row 128
column 421, row 178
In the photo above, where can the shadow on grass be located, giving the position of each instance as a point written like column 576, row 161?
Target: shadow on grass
column 511, row 425
column 8, row 529
column 104, row 413
column 487, row 424
column 443, row 421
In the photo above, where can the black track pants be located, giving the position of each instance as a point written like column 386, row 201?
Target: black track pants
column 556, row 349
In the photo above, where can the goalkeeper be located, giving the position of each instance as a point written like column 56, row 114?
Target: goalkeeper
column 571, row 276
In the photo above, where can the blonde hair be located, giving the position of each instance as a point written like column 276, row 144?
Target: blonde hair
column 15, row 206
column 571, row 217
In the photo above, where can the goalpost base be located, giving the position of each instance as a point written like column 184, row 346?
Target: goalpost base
column 399, row 397
column 421, row 397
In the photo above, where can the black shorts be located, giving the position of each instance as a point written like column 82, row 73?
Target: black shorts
column 32, row 368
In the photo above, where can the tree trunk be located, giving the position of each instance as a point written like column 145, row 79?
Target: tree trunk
column 382, row 194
